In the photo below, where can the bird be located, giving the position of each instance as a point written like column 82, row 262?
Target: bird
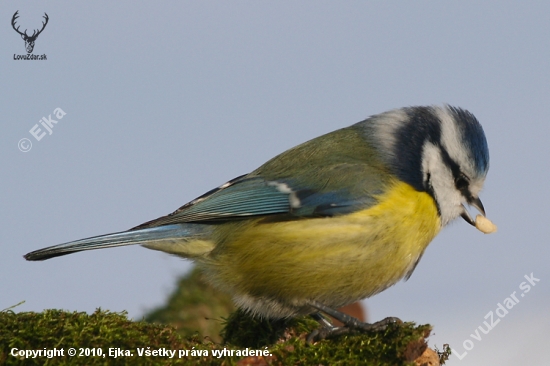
column 329, row 222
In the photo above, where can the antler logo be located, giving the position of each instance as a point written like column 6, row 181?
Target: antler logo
column 29, row 40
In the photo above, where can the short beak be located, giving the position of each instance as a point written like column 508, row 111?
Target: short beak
column 475, row 202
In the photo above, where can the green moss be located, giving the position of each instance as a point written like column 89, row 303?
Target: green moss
column 102, row 329
column 398, row 345
column 193, row 311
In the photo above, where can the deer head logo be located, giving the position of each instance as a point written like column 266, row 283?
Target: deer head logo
column 29, row 40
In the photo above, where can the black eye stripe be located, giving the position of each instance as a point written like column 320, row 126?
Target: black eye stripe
column 462, row 182
column 455, row 168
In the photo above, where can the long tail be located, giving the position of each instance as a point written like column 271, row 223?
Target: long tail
column 159, row 236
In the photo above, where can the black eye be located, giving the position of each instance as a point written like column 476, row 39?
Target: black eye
column 462, row 182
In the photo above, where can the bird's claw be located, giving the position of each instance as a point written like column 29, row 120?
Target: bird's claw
column 357, row 327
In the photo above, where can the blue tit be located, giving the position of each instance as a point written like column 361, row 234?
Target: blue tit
column 334, row 220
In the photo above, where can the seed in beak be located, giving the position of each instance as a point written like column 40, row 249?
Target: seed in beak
column 485, row 225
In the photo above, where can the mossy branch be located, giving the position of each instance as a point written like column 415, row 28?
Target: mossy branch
column 280, row 342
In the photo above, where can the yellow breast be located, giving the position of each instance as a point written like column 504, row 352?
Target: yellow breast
column 334, row 260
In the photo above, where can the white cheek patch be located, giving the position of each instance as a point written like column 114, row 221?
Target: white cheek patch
column 292, row 196
column 432, row 163
column 447, row 196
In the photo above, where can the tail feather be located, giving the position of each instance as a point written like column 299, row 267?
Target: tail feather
column 132, row 237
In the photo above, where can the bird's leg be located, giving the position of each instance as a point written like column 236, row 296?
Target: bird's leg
column 350, row 323
column 322, row 320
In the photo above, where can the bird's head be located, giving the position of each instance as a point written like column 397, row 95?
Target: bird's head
column 440, row 150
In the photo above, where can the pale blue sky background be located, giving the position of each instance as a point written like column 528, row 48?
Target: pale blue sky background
column 166, row 100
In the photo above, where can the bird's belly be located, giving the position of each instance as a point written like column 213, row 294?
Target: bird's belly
column 335, row 261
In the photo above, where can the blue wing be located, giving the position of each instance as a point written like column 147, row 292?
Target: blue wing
column 248, row 196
